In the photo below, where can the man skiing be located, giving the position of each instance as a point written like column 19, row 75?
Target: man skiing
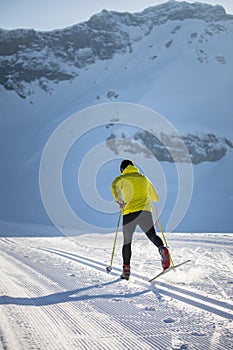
column 134, row 192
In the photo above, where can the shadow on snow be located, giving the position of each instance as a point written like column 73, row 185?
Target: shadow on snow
column 68, row 296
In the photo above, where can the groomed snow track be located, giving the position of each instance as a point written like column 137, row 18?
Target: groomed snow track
column 54, row 298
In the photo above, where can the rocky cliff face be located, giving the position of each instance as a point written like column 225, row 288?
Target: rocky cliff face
column 29, row 56
column 201, row 147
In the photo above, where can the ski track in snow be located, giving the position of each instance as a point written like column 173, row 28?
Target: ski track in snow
column 55, row 294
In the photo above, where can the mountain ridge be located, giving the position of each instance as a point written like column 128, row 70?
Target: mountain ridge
column 27, row 55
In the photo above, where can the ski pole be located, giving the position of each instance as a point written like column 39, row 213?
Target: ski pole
column 109, row 268
column 161, row 230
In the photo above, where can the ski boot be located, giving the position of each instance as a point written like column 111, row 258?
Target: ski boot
column 165, row 261
column 126, row 272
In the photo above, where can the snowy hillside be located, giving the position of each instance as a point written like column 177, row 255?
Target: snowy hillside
column 175, row 58
column 55, row 294
column 59, row 55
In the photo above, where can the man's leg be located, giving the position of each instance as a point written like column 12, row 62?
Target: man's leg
column 129, row 226
column 146, row 223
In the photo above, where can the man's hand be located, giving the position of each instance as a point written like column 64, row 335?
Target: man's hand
column 121, row 203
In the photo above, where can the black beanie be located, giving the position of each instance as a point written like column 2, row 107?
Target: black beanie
column 125, row 163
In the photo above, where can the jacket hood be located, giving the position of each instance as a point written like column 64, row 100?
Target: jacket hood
column 130, row 169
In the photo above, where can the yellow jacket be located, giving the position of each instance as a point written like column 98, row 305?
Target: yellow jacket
column 135, row 189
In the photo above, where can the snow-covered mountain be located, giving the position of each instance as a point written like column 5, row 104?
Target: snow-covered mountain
column 28, row 56
column 176, row 58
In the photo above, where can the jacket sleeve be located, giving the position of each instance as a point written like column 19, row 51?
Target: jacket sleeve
column 153, row 195
column 116, row 192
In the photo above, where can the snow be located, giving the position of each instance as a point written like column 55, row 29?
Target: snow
column 55, row 293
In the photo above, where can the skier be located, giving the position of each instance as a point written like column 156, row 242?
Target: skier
column 134, row 192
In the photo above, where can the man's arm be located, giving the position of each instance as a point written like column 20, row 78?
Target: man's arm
column 116, row 190
column 153, row 193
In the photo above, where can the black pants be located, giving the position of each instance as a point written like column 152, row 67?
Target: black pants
column 130, row 221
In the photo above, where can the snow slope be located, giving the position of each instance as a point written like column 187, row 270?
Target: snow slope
column 180, row 67
column 55, row 294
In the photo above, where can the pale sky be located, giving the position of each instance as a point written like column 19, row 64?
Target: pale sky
column 55, row 14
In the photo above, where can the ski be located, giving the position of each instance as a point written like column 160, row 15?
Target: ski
column 169, row 269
